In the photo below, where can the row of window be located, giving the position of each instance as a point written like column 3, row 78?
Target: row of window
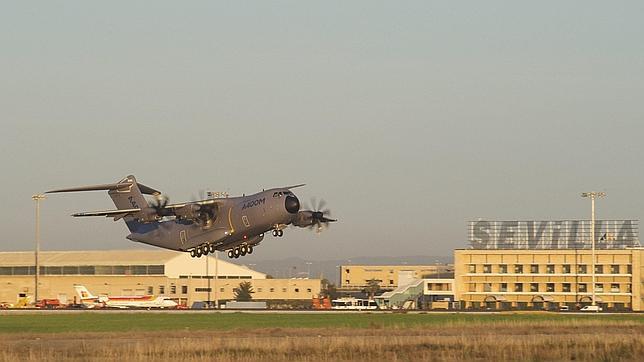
column 549, row 287
column 85, row 270
column 184, row 290
column 551, row 268
column 218, row 277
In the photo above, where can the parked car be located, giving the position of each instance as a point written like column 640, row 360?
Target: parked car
column 591, row 308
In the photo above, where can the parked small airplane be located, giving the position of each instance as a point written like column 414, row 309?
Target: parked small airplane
column 134, row 301
column 235, row 224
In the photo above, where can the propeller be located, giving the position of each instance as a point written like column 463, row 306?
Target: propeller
column 158, row 205
column 320, row 217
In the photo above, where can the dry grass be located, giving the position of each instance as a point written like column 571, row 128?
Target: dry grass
column 583, row 340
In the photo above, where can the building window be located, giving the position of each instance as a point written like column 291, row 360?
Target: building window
column 565, row 268
column 203, row 289
column 221, row 290
column 518, row 269
column 161, row 289
column 550, row 269
column 347, row 271
column 503, row 287
column 550, row 287
column 150, row 290
column 629, row 269
column 614, row 269
column 487, row 287
column 472, row 287
column 599, row 287
column 487, row 268
column 614, row 288
column 391, row 282
column 503, row 268
column 184, row 289
column 582, row 288
column 283, row 290
column 297, row 290
column 308, row 290
column 581, row 269
column 471, row 268
column 347, row 282
column 272, row 290
column 534, row 268
column 259, row 290
column 173, row 289
column 565, row 287
column 518, row 287
column 534, row 287
column 599, row 269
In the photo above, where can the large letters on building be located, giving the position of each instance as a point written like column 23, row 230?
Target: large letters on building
column 554, row 234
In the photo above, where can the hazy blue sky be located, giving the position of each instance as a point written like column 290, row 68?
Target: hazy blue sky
column 410, row 118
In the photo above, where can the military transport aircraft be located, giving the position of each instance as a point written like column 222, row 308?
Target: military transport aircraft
column 233, row 224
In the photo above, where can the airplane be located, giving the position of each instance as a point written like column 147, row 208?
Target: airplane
column 134, row 301
column 232, row 224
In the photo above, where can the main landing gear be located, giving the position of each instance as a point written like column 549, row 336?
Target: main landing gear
column 278, row 233
column 240, row 251
column 202, row 250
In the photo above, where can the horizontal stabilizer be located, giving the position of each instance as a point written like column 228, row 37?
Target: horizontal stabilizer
column 120, row 186
column 117, row 214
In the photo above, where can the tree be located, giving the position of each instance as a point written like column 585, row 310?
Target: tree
column 244, row 292
column 373, row 287
column 328, row 289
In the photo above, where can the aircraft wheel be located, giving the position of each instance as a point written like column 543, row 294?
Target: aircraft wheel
column 212, row 248
column 274, row 232
column 280, row 233
column 243, row 250
column 230, row 254
column 205, row 249
column 193, row 253
column 236, row 253
column 250, row 249
column 198, row 252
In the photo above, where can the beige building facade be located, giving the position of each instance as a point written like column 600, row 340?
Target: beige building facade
column 141, row 272
column 388, row 276
column 549, row 279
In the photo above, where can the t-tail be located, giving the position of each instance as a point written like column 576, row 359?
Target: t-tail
column 83, row 293
column 127, row 195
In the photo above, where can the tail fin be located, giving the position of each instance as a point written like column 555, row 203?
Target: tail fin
column 83, row 293
column 127, row 194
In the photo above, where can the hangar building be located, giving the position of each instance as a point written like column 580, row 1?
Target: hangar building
column 140, row 272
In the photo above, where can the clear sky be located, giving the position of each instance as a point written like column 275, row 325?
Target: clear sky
column 410, row 118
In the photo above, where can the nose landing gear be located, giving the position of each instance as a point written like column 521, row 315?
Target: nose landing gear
column 278, row 233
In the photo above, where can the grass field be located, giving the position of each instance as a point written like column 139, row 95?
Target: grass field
column 320, row 337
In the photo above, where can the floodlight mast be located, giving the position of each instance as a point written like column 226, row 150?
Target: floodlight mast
column 593, row 196
column 37, row 198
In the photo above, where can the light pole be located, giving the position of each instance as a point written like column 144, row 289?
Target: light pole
column 308, row 269
column 216, row 277
column 208, row 279
column 37, row 198
column 593, row 196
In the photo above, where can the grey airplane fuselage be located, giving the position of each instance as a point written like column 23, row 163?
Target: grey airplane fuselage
column 239, row 220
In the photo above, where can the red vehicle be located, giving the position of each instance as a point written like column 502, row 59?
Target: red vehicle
column 48, row 304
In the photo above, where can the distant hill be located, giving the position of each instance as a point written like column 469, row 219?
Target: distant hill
column 330, row 269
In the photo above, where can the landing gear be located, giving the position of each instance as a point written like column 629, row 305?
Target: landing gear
column 278, row 233
column 240, row 251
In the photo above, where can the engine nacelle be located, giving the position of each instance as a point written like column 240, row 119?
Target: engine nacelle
column 189, row 212
column 303, row 218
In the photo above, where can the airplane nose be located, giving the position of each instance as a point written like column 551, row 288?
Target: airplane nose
column 292, row 204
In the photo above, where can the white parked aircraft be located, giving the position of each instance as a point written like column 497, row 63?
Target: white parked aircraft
column 133, row 301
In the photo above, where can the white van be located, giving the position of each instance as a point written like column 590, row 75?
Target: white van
column 591, row 308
